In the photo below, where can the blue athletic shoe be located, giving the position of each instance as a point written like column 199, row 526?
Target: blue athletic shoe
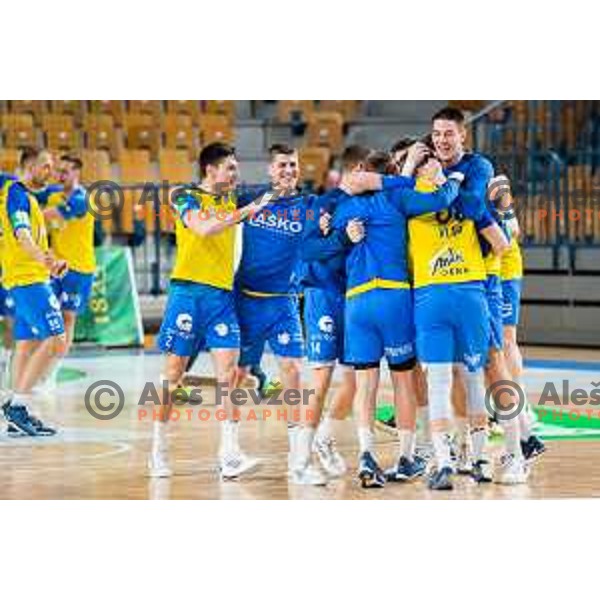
column 481, row 471
column 441, row 479
column 20, row 421
column 405, row 470
column 369, row 473
column 532, row 447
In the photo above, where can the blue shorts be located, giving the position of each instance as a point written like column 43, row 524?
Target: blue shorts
column 198, row 316
column 324, row 325
column 7, row 306
column 453, row 324
column 275, row 320
column 493, row 292
column 511, row 294
column 73, row 290
column 379, row 323
column 36, row 312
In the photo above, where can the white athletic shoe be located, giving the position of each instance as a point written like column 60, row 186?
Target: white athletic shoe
column 235, row 464
column 331, row 460
column 309, row 475
column 158, row 464
column 464, row 464
column 513, row 471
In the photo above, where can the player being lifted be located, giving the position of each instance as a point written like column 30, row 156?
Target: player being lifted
column 71, row 239
column 379, row 307
column 27, row 266
column 200, row 308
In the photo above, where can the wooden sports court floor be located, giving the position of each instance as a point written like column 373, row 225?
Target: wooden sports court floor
column 106, row 459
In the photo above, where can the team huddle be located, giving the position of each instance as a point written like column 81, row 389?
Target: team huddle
column 412, row 257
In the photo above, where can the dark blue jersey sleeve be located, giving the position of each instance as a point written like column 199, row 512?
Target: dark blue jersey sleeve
column 18, row 208
column 473, row 193
column 75, row 205
column 413, row 203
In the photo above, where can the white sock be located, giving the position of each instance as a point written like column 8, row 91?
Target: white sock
column 512, row 441
column 423, row 419
column 441, row 447
column 292, row 431
column 19, row 398
column 462, row 431
column 325, row 430
column 525, row 420
column 304, row 440
column 479, row 437
column 407, row 439
column 365, row 439
column 230, row 437
column 159, row 436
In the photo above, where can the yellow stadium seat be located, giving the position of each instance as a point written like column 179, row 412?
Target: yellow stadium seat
column 179, row 133
column 145, row 107
column 75, row 108
column 215, row 128
column 60, row 132
column 135, row 169
column 326, row 129
column 184, row 107
column 221, row 107
column 100, row 133
column 286, row 108
column 115, row 108
column 176, row 168
column 314, row 164
column 36, row 108
column 19, row 130
column 9, row 160
column 142, row 132
column 347, row 108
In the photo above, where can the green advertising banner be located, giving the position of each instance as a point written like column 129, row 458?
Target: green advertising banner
column 113, row 316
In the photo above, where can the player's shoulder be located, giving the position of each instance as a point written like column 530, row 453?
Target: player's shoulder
column 475, row 160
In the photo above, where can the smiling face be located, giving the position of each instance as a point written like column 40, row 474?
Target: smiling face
column 224, row 175
column 448, row 139
column 284, row 171
column 41, row 169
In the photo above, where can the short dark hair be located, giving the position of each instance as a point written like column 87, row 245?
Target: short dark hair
column 28, row 154
column 354, row 155
column 281, row 149
column 76, row 162
column 402, row 144
column 378, row 162
column 213, row 154
column 449, row 113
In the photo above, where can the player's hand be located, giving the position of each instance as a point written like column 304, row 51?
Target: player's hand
column 355, row 230
column 415, row 156
column 325, row 223
column 59, row 268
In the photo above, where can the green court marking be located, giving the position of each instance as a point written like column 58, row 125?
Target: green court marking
column 550, row 425
column 68, row 374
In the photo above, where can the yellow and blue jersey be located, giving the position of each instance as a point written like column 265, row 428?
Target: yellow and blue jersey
column 19, row 209
column 207, row 260
column 73, row 240
column 512, row 262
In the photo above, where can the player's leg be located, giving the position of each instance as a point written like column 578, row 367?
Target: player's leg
column 462, row 436
column 363, row 348
column 39, row 335
column 6, row 350
column 323, row 321
column 531, row 444
column 177, row 339
column 435, row 352
column 512, row 468
column 286, row 340
column 472, row 326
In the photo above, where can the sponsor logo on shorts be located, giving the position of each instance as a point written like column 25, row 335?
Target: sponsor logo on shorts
column 284, row 338
column 184, row 322
column 473, row 360
column 398, row 351
column 222, row 329
column 326, row 324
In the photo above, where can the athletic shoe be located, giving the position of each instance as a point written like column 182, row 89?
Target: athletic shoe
column 532, row 447
column 421, row 461
column 308, row 475
column 158, row 464
column 41, row 428
column 234, row 465
column 512, row 470
column 481, row 471
column 331, row 460
column 18, row 416
column 405, row 470
column 441, row 479
column 369, row 473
